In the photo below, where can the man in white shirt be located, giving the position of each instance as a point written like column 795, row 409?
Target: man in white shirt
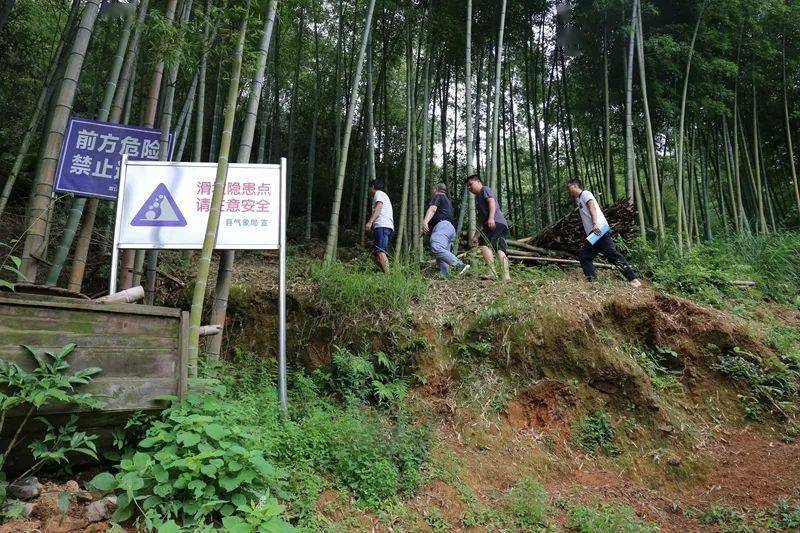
column 381, row 223
column 593, row 222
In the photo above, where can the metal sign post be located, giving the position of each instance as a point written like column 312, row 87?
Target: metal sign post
column 164, row 205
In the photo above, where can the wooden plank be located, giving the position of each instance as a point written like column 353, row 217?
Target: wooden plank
column 56, row 302
column 19, row 317
column 123, row 395
column 43, row 338
column 183, row 359
column 115, row 362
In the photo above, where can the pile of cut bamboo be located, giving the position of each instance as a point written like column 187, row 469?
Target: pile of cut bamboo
column 560, row 242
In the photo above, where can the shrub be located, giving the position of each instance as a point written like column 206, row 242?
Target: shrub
column 47, row 383
column 199, row 461
column 529, row 504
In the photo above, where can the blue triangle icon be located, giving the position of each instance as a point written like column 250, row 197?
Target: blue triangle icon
column 159, row 210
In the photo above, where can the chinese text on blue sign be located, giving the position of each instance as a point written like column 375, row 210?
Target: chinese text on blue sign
column 92, row 153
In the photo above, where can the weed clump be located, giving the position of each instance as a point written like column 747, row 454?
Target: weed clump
column 595, row 434
column 606, row 517
column 355, row 288
column 775, row 385
column 529, row 504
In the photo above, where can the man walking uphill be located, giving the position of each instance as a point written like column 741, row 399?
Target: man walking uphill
column 381, row 223
column 439, row 217
column 492, row 226
column 597, row 229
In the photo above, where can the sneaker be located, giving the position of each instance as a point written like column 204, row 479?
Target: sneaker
column 635, row 283
column 464, row 270
column 506, row 277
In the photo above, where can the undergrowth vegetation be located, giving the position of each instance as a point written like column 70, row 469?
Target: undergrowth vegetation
column 357, row 287
column 704, row 272
column 227, row 456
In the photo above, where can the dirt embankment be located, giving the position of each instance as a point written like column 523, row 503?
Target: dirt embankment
column 510, row 370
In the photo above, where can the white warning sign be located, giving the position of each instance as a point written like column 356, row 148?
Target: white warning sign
column 166, row 206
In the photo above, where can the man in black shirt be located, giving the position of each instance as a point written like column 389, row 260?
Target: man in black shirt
column 439, row 218
column 492, row 226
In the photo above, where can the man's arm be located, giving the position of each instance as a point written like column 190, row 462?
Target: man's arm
column 375, row 213
column 593, row 212
column 492, row 210
column 428, row 216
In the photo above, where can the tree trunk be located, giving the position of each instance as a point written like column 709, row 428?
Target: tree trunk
column 333, row 231
column 40, row 203
column 401, row 226
column 204, row 264
column 762, row 220
column 151, row 256
column 312, row 145
column 497, row 83
column 41, row 105
column 680, row 126
column 120, row 103
column 655, row 194
column 225, row 273
column 629, row 152
column 789, row 144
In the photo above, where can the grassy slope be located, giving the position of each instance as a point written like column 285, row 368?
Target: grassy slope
column 545, row 403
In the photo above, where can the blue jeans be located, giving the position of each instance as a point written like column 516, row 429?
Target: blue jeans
column 442, row 236
column 382, row 238
column 605, row 247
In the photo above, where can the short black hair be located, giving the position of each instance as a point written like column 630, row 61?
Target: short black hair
column 376, row 184
column 575, row 181
column 474, row 177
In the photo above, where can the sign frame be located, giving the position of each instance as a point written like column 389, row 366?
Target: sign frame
column 282, row 216
column 123, row 176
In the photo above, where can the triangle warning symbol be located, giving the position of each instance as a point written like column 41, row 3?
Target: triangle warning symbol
column 159, row 210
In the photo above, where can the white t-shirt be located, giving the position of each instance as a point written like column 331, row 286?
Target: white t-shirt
column 386, row 217
column 586, row 215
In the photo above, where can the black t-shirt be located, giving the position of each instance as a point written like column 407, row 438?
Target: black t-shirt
column 444, row 209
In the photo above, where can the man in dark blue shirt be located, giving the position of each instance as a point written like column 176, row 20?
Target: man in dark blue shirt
column 439, row 223
column 492, row 226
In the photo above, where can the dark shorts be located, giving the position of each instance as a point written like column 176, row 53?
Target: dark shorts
column 382, row 237
column 495, row 238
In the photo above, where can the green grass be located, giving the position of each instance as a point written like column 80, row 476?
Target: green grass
column 704, row 271
column 605, row 517
column 358, row 289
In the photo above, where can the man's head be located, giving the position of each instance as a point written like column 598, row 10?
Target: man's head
column 474, row 184
column 375, row 186
column 575, row 187
column 439, row 188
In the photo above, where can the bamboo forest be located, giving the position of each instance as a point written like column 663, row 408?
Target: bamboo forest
column 399, row 265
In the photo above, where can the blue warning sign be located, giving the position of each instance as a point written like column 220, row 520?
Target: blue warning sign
column 159, row 210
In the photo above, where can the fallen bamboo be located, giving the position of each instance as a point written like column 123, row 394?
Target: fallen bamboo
column 128, row 296
column 210, row 330
column 571, row 262
column 537, row 249
column 743, row 283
